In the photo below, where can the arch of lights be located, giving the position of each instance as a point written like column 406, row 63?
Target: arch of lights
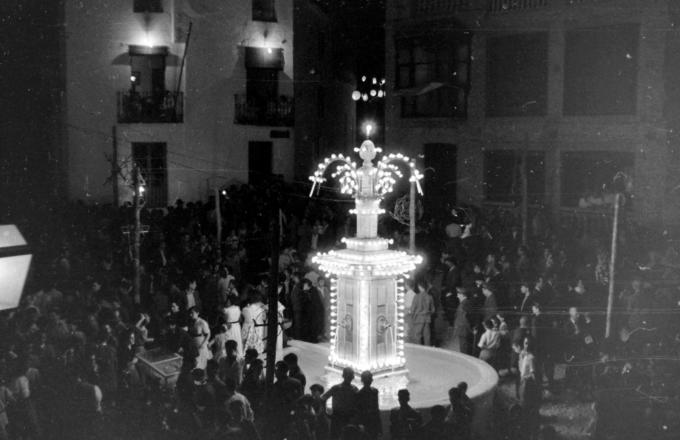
column 367, row 278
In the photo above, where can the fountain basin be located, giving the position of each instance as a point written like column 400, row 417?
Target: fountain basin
column 431, row 372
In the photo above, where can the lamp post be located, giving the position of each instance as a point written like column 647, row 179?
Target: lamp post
column 15, row 260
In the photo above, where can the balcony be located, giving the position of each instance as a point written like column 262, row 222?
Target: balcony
column 439, row 7
column 274, row 112
column 502, row 6
column 148, row 107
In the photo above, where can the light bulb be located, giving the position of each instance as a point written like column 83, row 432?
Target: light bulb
column 356, row 95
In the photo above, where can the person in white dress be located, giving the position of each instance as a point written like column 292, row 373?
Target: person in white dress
column 199, row 330
column 232, row 321
column 254, row 321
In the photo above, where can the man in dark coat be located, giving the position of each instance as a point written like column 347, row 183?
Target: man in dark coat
column 405, row 422
column 462, row 329
column 367, row 409
column 285, row 391
column 344, row 399
column 490, row 307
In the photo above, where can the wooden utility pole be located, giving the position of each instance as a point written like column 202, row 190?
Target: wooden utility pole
column 136, row 179
column 114, row 165
column 181, row 70
column 218, row 219
column 524, row 182
column 273, row 297
column 612, row 264
column 412, row 219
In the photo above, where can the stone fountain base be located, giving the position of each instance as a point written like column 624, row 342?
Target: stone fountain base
column 431, row 372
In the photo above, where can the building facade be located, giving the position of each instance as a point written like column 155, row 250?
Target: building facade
column 569, row 92
column 324, row 118
column 200, row 94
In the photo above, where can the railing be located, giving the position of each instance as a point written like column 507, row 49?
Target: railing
column 579, row 2
column 501, row 6
column 150, row 107
column 587, row 222
column 270, row 112
column 582, row 222
column 426, row 7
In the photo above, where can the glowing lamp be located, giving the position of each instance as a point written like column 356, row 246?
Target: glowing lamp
column 373, row 92
column 364, row 97
column 356, row 95
column 15, row 260
column 368, row 128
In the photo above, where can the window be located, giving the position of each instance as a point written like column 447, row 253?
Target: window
column 264, row 10
column 433, row 75
column 517, row 75
column 586, row 173
column 600, row 70
column 502, row 178
column 151, row 157
column 148, row 6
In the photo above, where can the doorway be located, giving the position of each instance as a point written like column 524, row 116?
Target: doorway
column 149, row 73
column 151, row 157
column 440, row 176
column 262, row 85
column 259, row 161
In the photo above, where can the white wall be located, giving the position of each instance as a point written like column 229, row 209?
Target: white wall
column 208, row 146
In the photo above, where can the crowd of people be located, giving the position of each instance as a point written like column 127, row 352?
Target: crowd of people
column 72, row 353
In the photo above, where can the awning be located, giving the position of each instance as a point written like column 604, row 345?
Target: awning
column 264, row 58
column 420, row 90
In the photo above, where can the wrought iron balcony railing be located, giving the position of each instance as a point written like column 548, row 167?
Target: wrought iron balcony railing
column 270, row 112
column 501, row 6
column 429, row 7
column 150, row 107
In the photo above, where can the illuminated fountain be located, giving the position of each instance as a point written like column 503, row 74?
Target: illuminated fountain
column 367, row 278
column 367, row 303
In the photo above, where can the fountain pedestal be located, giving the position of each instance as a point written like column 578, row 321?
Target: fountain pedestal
column 367, row 285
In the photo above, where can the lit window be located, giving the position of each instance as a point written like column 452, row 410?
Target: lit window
column 148, row 6
column 264, row 10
